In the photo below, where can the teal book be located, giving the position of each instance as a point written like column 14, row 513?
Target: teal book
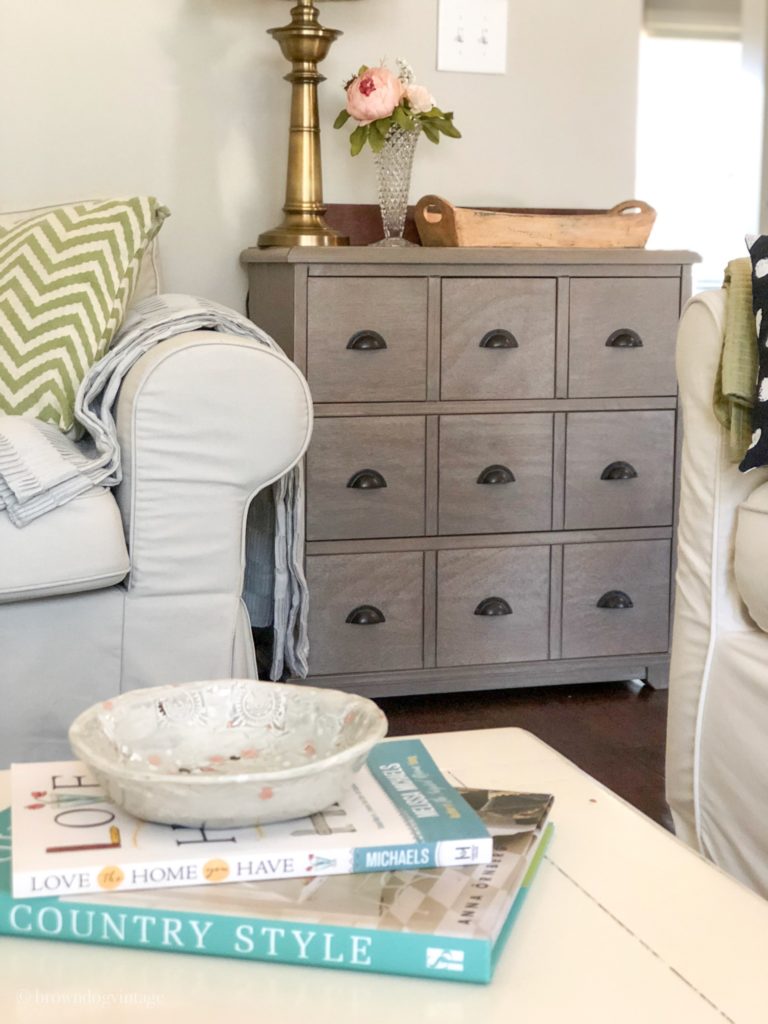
column 448, row 923
column 400, row 812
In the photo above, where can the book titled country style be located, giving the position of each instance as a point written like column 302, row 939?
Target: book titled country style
column 400, row 812
column 449, row 923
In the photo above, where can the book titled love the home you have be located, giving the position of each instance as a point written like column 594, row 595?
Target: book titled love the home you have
column 449, row 923
column 400, row 812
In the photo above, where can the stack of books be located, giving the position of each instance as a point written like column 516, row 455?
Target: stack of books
column 407, row 875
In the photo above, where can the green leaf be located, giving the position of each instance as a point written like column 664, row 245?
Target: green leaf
column 448, row 129
column 341, row 120
column 363, row 69
column 403, row 119
column 430, row 131
column 383, row 125
column 358, row 138
column 376, row 135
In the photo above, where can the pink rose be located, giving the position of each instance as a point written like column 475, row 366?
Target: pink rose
column 373, row 94
column 419, row 98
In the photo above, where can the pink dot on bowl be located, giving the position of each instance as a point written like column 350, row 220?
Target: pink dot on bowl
column 107, row 705
column 250, row 752
column 266, row 793
column 155, row 759
column 310, row 749
column 215, row 758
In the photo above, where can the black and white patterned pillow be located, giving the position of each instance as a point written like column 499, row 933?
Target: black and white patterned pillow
column 757, row 453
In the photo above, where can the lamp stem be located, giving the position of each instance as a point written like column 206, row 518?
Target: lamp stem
column 304, row 42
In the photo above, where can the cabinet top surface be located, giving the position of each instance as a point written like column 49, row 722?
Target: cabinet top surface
column 435, row 256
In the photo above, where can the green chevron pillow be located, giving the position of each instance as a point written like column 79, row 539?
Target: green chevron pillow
column 66, row 277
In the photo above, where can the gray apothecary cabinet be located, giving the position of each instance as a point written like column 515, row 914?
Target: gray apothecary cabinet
column 491, row 485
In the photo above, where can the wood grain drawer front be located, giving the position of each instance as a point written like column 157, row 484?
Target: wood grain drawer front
column 367, row 339
column 615, row 598
column 365, row 478
column 619, row 469
column 492, row 605
column 498, row 338
column 495, row 473
column 622, row 333
column 365, row 612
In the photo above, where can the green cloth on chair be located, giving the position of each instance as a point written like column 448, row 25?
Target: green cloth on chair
column 736, row 381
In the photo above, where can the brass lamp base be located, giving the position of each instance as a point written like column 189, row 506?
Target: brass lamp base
column 302, row 229
column 304, row 43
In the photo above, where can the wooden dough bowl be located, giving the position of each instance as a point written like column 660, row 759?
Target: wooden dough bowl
column 625, row 226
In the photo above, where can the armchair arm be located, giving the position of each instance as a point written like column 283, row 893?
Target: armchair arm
column 204, row 421
column 711, row 486
column 707, row 600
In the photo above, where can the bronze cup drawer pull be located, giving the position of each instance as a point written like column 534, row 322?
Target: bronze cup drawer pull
column 366, row 341
column 367, row 480
column 615, row 599
column 499, row 338
column 493, row 606
column 619, row 471
column 625, row 337
column 365, row 615
column 496, row 475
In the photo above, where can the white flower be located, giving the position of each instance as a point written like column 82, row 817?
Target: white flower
column 406, row 71
column 419, row 99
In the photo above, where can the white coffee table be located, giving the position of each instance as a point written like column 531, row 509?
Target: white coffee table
column 624, row 925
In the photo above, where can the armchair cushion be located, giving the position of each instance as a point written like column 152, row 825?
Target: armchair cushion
column 79, row 546
column 66, row 277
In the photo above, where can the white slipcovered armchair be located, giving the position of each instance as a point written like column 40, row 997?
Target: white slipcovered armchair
column 142, row 585
column 717, row 752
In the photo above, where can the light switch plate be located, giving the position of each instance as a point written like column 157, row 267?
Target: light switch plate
column 472, row 36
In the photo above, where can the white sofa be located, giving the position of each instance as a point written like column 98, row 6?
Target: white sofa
column 717, row 749
column 143, row 585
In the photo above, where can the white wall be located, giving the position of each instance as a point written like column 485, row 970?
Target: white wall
column 754, row 33
column 184, row 99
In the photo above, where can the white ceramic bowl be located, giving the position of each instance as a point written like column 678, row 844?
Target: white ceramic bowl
column 229, row 752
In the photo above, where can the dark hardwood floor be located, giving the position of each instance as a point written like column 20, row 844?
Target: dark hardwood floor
column 614, row 731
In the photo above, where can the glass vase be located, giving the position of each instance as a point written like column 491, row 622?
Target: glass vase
column 393, row 171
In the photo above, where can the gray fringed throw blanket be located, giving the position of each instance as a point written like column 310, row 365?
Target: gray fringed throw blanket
column 41, row 468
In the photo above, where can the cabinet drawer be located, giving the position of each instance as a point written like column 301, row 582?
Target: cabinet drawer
column 492, row 605
column 495, row 473
column 365, row 478
column 367, row 339
column 622, row 334
column 498, row 338
column 619, row 469
column 616, row 598
column 366, row 612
